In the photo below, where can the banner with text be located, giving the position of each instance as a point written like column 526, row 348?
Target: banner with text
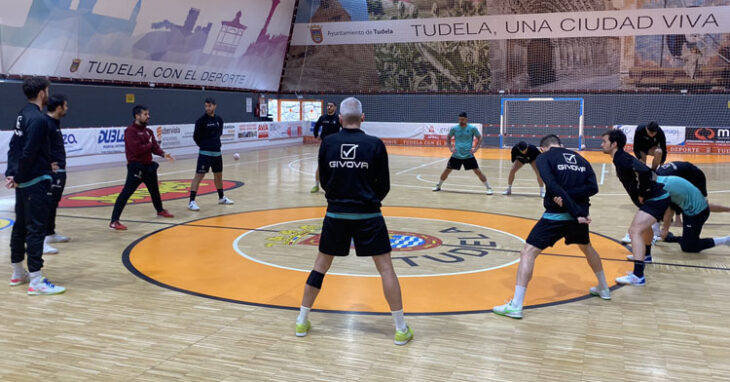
column 640, row 22
column 232, row 43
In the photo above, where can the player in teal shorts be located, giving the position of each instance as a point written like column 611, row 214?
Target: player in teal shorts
column 462, row 152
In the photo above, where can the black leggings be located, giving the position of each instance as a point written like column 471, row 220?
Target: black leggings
column 137, row 174
column 691, row 228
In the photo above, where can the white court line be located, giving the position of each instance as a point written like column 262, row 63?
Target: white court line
column 291, row 166
column 603, row 173
column 421, row 166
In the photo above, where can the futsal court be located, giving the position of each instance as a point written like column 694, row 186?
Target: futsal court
column 213, row 295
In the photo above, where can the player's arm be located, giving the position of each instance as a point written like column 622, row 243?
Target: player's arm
column 551, row 183
column 338, row 124
column 663, row 145
column 12, row 157
column 199, row 130
column 644, row 177
column 448, row 140
column 324, row 169
column 382, row 177
column 513, row 154
column 479, row 141
column 34, row 132
column 317, row 126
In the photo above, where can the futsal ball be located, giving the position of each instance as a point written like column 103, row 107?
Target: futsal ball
column 236, row 156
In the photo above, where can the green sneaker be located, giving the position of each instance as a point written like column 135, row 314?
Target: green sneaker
column 303, row 329
column 402, row 338
column 508, row 310
column 315, row 189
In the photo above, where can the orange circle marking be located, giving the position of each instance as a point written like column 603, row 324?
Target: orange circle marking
column 199, row 258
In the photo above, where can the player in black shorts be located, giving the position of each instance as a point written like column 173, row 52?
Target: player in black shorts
column 354, row 174
column 462, row 154
column 522, row 154
column 570, row 183
column 330, row 124
column 646, row 194
column 650, row 140
column 207, row 135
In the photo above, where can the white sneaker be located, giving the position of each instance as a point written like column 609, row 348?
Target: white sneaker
column 655, row 239
column 631, row 279
column 437, row 188
column 490, row 191
column 57, row 238
column 192, row 206
column 604, row 294
column 542, row 194
column 225, row 200
column 508, row 310
column 626, row 239
column 19, row 280
column 44, row 287
column 48, row 250
column 507, row 192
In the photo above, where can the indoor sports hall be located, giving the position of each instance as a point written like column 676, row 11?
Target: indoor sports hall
column 213, row 294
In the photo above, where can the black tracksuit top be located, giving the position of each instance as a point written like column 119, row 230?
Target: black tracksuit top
column 353, row 171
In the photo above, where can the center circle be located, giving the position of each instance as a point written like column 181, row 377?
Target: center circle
column 421, row 247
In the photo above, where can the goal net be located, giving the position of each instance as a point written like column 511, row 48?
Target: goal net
column 530, row 119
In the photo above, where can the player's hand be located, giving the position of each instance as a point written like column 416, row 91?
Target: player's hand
column 169, row 157
column 558, row 200
column 452, row 149
column 10, row 182
column 664, row 233
column 584, row 220
column 55, row 167
column 641, row 200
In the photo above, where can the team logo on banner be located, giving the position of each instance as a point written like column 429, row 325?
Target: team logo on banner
column 169, row 190
column 705, row 134
column 316, row 32
column 75, row 65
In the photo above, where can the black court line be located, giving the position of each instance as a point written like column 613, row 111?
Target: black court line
column 191, row 224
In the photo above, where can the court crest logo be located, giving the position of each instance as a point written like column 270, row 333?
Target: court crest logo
column 316, row 33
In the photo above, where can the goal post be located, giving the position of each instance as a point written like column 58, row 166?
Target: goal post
column 531, row 118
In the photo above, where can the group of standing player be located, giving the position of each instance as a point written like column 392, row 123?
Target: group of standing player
column 37, row 171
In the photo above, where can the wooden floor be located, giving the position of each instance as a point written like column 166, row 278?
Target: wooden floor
column 212, row 295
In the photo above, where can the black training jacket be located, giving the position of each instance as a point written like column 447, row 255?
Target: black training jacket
column 30, row 151
column 208, row 131
column 532, row 153
column 353, row 171
column 55, row 136
column 570, row 176
column 637, row 178
column 643, row 142
column 330, row 124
